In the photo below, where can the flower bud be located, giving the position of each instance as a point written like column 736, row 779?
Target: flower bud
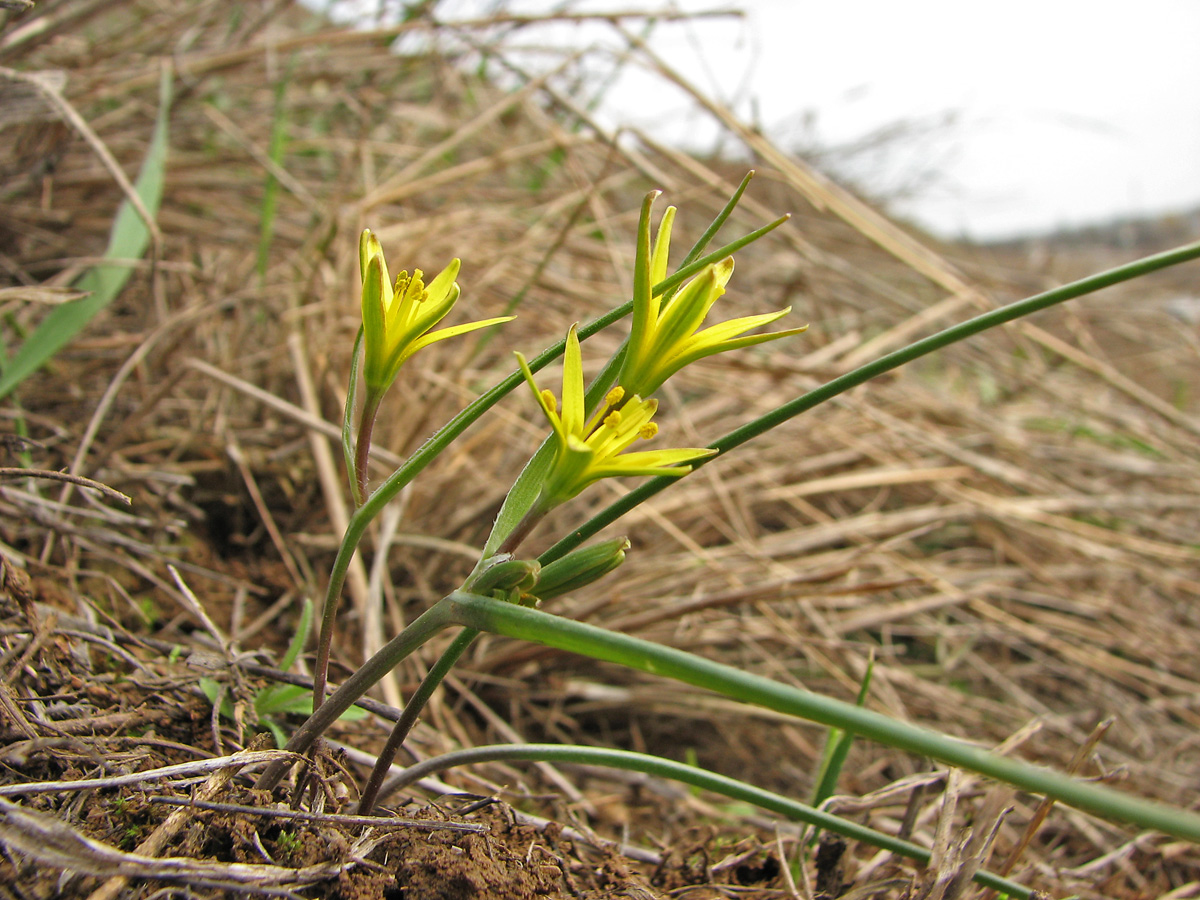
column 580, row 567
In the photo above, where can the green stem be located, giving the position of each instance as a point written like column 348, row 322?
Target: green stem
column 526, row 525
column 348, row 418
column 408, row 717
column 497, row 617
column 425, row 626
column 362, row 446
column 865, row 373
column 710, row 781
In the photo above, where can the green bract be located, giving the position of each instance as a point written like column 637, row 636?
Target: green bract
column 587, row 451
column 397, row 318
column 663, row 338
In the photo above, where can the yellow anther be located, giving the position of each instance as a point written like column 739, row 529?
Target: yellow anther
column 613, row 419
column 615, row 396
column 647, row 431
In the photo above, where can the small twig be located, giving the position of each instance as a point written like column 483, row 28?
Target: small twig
column 234, row 449
column 52, row 475
column 1044, row 807
column 786, row 870
column 196, row 609
column 181, row 770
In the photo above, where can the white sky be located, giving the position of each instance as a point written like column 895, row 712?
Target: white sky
column 1063, row 111
column 1067, row 110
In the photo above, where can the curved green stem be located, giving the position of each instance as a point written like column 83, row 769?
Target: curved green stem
column 425, row 626
column 840, row 385
column 497, row 617
column 408, row 718
column 709, row 781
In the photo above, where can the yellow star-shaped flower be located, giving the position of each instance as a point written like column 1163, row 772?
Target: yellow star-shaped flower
column 587, row 451
column 397, row 318
column 663, row 338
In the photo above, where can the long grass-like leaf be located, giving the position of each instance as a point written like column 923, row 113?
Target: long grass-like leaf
column 837, row 748
column 279, row 137
column 688, row 774
column 499, row 617
column 127, row 240
column 862, row 374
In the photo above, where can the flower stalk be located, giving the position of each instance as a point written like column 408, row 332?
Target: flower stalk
column 397, row 318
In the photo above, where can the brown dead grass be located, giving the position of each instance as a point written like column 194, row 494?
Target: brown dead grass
column 1009, row 528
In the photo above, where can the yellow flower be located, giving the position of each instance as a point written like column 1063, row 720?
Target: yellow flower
column 663, row 338
column 587, row 451
column 397, row 318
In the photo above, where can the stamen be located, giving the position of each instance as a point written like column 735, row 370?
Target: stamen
column 615, row 396
column 613, row 419
column 647, row 431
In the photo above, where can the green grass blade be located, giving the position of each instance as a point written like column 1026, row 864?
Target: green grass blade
column 721, row 218
column 128, row 240
column 299, row 638
column 837, row 748
column 278, row 144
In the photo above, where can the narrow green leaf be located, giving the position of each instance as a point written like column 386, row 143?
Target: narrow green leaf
column 128, row 240
column 837, row 748
column 497, row 617
column 300, row 637
column 751, row 430
column 699, row 779
column 279, row 138
column 282, row 698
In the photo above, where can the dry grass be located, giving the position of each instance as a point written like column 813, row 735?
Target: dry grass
column 1009, row 528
